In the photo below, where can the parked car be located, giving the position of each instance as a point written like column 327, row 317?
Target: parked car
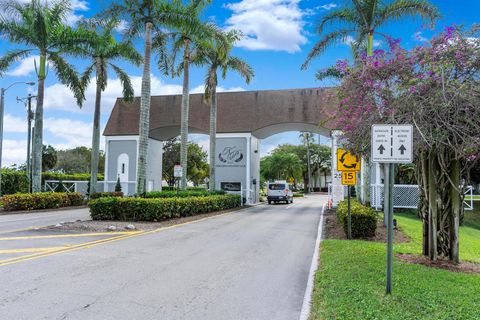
column 279, row 191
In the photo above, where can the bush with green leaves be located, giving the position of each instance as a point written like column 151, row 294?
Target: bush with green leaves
column 41, row 200
column 364, row 219
column 14, row 181
column 140, row 209
column 98, row 195
column 68, row 177
column 183, row 194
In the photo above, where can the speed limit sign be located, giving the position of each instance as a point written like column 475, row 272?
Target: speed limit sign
column 349, row 178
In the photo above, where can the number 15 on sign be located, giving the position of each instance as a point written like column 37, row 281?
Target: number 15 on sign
column 349, row 178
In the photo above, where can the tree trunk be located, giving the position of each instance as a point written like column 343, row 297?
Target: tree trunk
column 423, row 205
column 96, row 130
column 455, row 214
column 309, row 170
column 213, row 135
column 432, row 204
column 144, row 123
column 38, row 133
column 370, row 44
column 185, row 107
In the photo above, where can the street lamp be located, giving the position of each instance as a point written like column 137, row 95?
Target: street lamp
column 2, row 110
column 28, row 105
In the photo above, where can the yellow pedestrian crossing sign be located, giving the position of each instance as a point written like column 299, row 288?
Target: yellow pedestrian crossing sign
column 349, row 178
column 347, row 161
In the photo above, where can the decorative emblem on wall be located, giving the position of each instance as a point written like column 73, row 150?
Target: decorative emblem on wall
column 230, row 155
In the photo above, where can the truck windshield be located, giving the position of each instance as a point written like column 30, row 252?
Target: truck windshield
column 276, row 186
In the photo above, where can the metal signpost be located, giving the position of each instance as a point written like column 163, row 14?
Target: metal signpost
column 349, row 165
column 391, row 143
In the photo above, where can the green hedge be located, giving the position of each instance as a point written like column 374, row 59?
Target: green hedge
column 45, row 200
column 71, row 177
column 364, row 219
column 139, row 209
column 168, row 188
column 98, row 195
column 183, row 194
column 14, row 181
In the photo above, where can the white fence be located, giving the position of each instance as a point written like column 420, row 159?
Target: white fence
column 128, row 188
column 405, row 196
column 408, row 196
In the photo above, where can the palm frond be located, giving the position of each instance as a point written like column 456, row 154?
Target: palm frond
column 241, row 67
column 11, row 57
column 407, row 8
column 127, row 88
column 330, row 72
column 341, row 16
column 68, row 76
column 328, row 40
column 87, row 76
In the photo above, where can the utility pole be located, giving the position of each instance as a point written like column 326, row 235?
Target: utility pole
column 30, row 116
column 2, row 112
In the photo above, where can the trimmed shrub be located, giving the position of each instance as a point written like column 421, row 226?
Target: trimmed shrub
column 139, row 209
column 114, row 194
column 14, row 181
column 168, row 188
column 364, row 219
column 183, row 194
column 69, row 177
column 45, row 200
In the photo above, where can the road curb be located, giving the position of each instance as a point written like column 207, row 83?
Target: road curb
column 307, row 299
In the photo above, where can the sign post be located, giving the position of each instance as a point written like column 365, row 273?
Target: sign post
column 391, row 144
column 177, row 174
column 349, row 165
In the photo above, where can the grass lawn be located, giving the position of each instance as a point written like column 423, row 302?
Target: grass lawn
column 350, row 283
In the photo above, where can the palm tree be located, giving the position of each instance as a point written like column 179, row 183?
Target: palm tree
column 363, row 19
column 307, row 138
column 185, row 39
column 105, row 50
column 41, row 28
column 145, row 16
column 218, row 56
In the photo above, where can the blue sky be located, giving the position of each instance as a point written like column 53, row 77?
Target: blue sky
column 279, row 35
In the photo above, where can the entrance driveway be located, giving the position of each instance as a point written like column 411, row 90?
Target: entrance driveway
column 250, row 264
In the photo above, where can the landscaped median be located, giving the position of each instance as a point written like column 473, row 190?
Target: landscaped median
column 41, row 200
column 350, row 282
column 159, row 209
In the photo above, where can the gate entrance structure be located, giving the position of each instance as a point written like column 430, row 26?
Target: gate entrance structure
column 243, row 118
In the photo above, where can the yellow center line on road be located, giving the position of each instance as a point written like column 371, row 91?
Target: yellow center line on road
column 71, row 235
column 103, row 241
column 23, row 250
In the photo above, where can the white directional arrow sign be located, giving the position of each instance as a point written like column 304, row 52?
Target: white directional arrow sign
column 392, row 143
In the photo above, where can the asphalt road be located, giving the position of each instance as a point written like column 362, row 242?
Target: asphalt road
column 40, row 219
column 251, row 264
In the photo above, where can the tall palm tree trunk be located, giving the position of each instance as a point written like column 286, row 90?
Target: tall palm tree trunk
column 144, row 122
column 213, row 134
column 96, row 132
column 185, row 109
column 38, row 133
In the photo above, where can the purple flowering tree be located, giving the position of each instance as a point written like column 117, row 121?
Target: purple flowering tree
column 437, row 89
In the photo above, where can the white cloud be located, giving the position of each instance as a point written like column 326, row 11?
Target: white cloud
column 122, row 26
column 75, row 5
column 68, row 133
column 59, row 97
column 24, row 67
column 419, row 36
column 14, row 124
column 329, row 6
column 14, row 152
column 268, row 24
